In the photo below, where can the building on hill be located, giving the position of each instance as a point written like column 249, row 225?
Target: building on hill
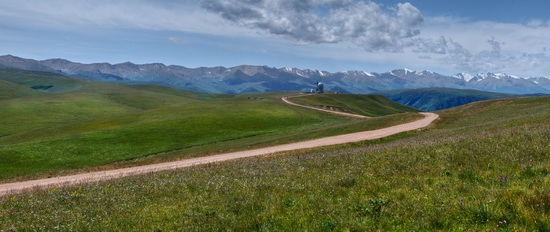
column 320, row 87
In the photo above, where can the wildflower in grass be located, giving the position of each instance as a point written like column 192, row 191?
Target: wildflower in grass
column 504, row 180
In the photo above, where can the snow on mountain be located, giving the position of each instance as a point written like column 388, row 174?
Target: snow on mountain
column 464, row 76
column 408, row 72
column 249, row 78
column 402, row 71
column 498, row 76
column 482, row 76
column 368, row 74
column 354, row 73
column 296, row 71
column 540, row 81
column 423, row 73
column 323, row 73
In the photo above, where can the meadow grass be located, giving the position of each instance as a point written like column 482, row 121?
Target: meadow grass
column 10, row 90
column 101, row 126
column 26, row 81
column 482, row 167
column 368, row 105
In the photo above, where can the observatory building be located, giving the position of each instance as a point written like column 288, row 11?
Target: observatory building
column 320, row 87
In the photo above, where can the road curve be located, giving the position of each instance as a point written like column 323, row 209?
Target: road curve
column 285, row 99
column 11, row 188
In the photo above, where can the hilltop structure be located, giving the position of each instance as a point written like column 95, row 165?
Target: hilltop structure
column 320, row 87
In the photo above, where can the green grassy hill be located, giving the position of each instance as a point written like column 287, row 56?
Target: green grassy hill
column 482, row 167
column 433, row 99
column 12, row 90
column 38, row 81
column 368, row 105
column 89, row 125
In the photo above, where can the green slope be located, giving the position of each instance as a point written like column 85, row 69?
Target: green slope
column 12, row 90
column 368, row 105
column 100, row 125
column 433, row 99
column 483, row 167
column 69, row 101
column 39, row 81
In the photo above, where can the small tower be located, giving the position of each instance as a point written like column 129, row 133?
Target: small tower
column 320, row 87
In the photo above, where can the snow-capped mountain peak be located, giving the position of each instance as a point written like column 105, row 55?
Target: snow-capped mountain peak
column 249, row 78
column 402, row 71
column 500, row 75
column 368, row 74
column 539, row 80
column 481, row 76
column 464, row 76
column 406, row 71
column 357, row 73
column 294, row 71
column 424, row 72
column 497, row 76
column 322, row 73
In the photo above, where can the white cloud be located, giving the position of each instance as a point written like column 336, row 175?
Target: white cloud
column 184, row 15
column 364, row 24
column 474, row 47
column 398, row 36
column 176, row 40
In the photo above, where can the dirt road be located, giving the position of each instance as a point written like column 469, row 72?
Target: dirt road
column 287, row 101
column 15, row 187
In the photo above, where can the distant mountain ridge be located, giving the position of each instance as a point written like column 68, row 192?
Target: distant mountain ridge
column 248, row 78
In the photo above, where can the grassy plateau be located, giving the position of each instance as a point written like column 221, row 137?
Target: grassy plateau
column 482, row 167
column 368, row 105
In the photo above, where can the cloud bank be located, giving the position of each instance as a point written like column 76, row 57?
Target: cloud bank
column 447, row 43
column 365, row 24
column 486, row 46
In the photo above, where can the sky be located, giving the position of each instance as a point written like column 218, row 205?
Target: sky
column 448, row 37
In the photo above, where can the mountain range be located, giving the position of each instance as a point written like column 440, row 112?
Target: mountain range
column 248, row 78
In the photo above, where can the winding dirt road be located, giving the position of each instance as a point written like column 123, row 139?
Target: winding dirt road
column 285, row 99
column 11, row 188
